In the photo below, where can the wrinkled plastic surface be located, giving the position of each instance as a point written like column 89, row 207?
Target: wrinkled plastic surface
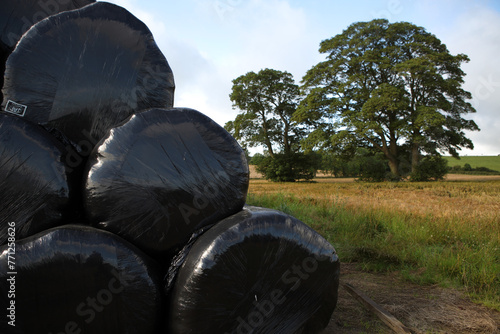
column 81, row 72
column 35, row 187
column 76, row 279
column 3, row 59
column 259, row 271
column 162, row 175
column 17, row 16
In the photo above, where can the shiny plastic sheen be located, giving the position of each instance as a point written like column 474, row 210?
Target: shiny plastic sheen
column 259, row 271
column 162, row 175
column 17, row 16
column 35, row 188
column 76, row 279
column 81, row 72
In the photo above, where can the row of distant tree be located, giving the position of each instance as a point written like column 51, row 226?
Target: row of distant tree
column 388, row 96
column 365, row 165
column 468, row 169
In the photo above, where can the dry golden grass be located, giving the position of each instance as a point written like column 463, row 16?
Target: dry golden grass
column 445, row 232
column 469, row 198
column 473, row 202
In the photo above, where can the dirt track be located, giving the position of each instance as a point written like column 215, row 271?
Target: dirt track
column 423, row 309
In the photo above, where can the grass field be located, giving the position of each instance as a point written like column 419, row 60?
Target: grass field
column 491, row 162
column 439, row 232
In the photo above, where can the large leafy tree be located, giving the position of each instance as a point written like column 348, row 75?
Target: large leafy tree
column 266, row 101
column 388, row 86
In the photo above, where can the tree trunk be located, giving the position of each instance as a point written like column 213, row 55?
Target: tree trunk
column 270, row 148
column 286, row 141
column 390, row 151
column 393, row 154
column 393, row 160
column 415, row 157
column 266, row 135
column 394, row 166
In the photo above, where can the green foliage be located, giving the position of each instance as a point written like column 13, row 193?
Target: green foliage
column 256, row 159
column 490, row 162
column 288, row 167
column 387, row 85
column 363, row 164
column 267, row 101
column 373, row 169
column 367, row 167
column 335, row 165
column 467, row 169
column 430, row 168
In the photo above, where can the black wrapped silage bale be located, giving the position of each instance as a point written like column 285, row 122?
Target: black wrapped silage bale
column 77, row 279
column 81, row 72
column 162, row 175
column 258, row 271
column 37, row 190
column 17, row 17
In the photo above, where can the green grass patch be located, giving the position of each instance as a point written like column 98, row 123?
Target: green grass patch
column 491, row 162
column 426, row 250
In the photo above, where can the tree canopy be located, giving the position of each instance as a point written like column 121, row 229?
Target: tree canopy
column 266, row 100
column 393, row 86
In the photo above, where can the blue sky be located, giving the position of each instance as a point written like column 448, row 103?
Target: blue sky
column 208, row 43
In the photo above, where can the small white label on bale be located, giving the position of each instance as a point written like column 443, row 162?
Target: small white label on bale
column 15, row 108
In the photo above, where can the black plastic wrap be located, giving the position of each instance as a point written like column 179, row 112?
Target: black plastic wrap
column 162, row 175
column 17, row 16
column 35, row 185
column 81, row 72
column 3, row 59
column 259, row 271
column 77, row 279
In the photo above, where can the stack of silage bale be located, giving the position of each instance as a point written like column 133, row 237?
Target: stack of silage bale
column 122, row 214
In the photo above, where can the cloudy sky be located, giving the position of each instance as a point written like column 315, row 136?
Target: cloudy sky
column 208, row 43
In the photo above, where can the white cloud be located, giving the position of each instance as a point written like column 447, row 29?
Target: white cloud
column 208, row 43
column 252, row 35
column 272, row 34
column 199, row 82
column 245, row 36
column 134, row 7
column 477, row 34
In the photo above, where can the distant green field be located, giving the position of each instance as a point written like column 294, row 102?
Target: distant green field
column 491, row 162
